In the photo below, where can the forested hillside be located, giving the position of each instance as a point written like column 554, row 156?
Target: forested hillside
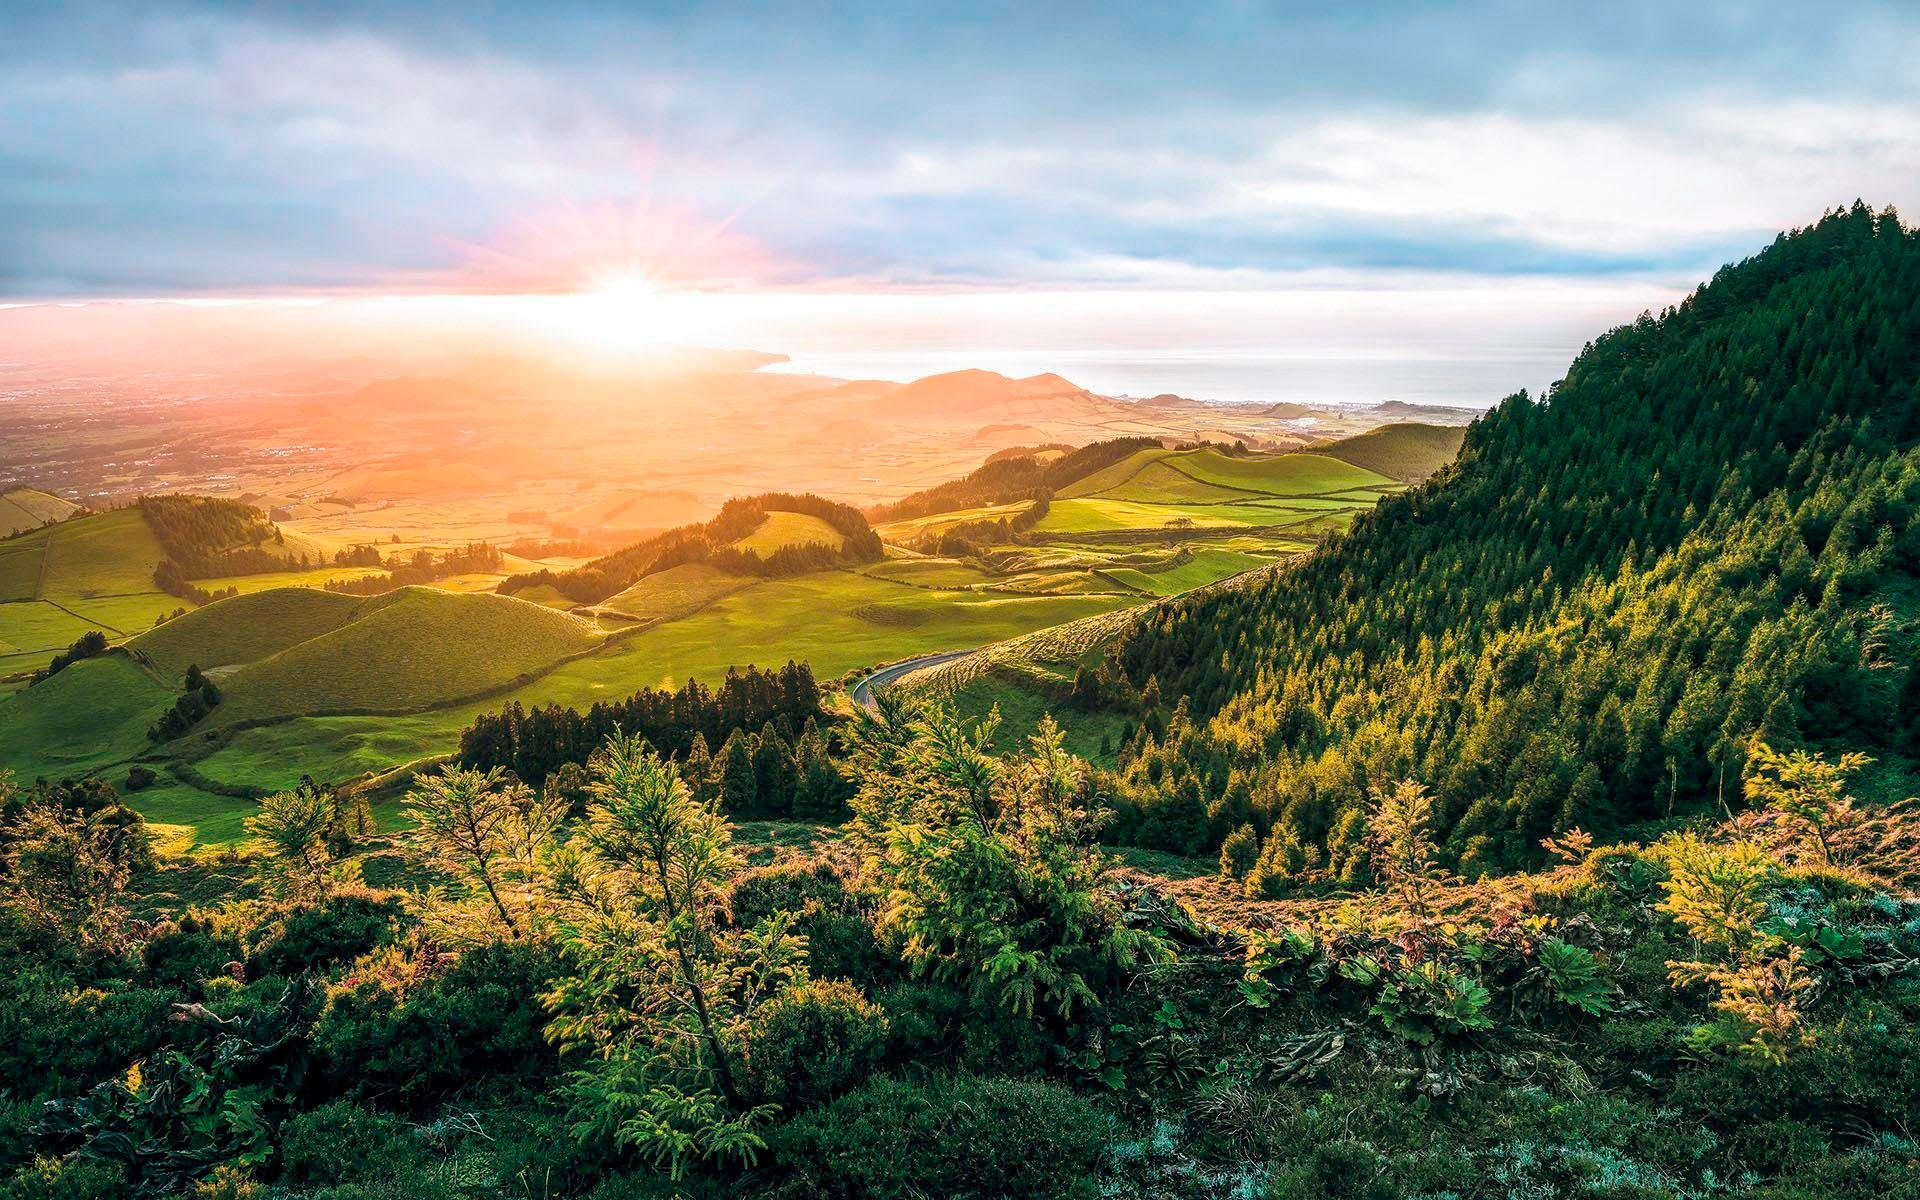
column 1703, row 533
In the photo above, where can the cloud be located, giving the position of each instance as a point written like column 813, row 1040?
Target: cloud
column 255, row 149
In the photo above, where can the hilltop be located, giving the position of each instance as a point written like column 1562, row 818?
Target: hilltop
column 1406, row 452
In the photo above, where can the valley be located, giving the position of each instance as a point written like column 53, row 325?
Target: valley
column 379, row 684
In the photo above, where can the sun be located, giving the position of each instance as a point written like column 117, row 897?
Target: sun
column 625, row 311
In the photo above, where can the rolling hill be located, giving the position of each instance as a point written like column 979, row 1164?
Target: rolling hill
column 400, row 651
column 243, row 629
column 29, row 508
column 1406, row 452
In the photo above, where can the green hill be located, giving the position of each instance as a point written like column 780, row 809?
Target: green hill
column 1704, row 533
column 29, row 508
column 675, row 592
column 406, row 649
column 87, row 572
column 90, row 716
column 783, row 529
column 243, row 629
column 1409, row 452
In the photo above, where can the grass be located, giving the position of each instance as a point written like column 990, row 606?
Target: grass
column 183, row 819
column 30, row 508
column 1407, row 452
column 20, row 571
column 835, row 620
column 783, row 529
column 1098, row 514
column 36, row 626
column 99, row 568
column 936, row 523
column 675, row 592
column 244, row 629
column 951, row 573
column 405, row 649
column 1206, row 566
column 1110, row 476
column 316, row 578
column 109, row 554
column 88, row 717
column 1163, row 483
column 1282, row 475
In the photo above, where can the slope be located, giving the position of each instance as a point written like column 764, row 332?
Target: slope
column 1703, row 534
column 406, row 649
column 1407, row 452
column 29, row 508
column 243, row 629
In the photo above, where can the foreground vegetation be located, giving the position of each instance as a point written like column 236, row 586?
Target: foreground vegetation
column 586, row 990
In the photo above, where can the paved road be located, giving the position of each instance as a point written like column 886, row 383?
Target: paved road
column 863, row 690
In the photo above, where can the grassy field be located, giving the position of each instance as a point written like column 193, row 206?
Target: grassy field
column 835, row 620
column 244, row 629
column 91, row 572
column 931, row 572
column 1284, row 475
column 405, row 649
column 30, row 508
column 675, row 592
column 1408, row 453
column 936, row 523
column 314, row 578
column 1206, row 566
column 92, row 715
column 783, row 529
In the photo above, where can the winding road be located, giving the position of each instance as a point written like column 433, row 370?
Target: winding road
column 863, row 690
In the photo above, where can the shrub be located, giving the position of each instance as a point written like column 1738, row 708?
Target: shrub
column 57, row 1035
column 332, row 933
column 952, row 1136
column 64, row 1179
column 928, row 1020
column 343, row 1143
column 840, row 937
column 483, row 1016
column 813, row 1043
column 188, row 953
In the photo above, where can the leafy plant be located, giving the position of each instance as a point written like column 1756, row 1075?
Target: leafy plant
column 985, row 866
column 663, row 991
column 1572, row 976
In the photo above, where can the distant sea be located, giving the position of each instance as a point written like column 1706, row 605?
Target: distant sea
column 1228, row 377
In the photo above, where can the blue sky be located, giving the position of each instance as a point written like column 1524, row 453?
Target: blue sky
column 1538, row 171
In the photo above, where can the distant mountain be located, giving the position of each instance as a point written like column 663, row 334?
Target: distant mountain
column 1431, row 414
column 1290, row 411
column 985, row 397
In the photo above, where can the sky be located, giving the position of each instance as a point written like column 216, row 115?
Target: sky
column 1229, row 188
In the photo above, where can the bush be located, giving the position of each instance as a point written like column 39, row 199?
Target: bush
column 64, row 1179
column 189, row 953
column 333, row 933
column 483, row 1016
column 929, row 1020
column 1340, row 1170
column 343, row 1143
column 56, row 1036
column 813, row 1043
column 952, row 1136
column 840, row 938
